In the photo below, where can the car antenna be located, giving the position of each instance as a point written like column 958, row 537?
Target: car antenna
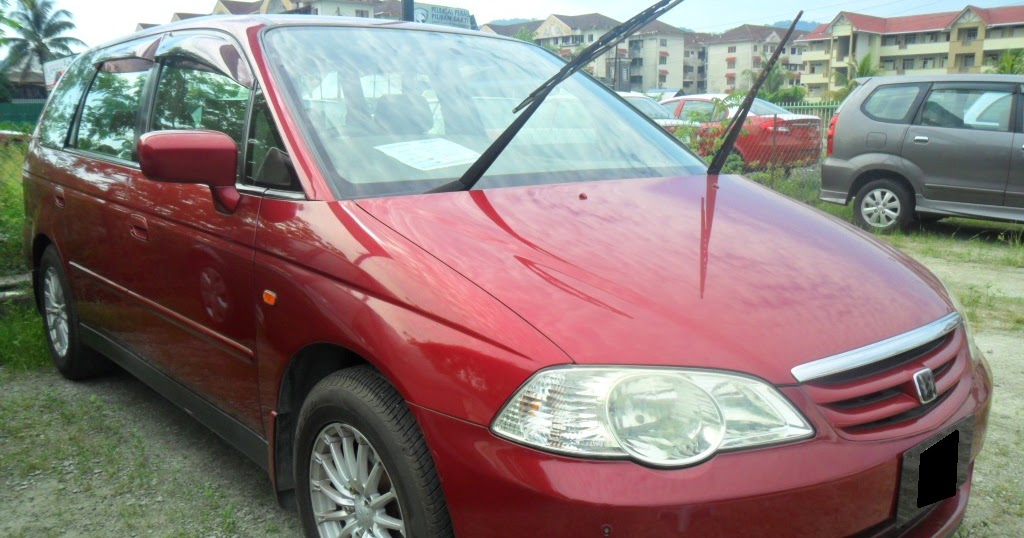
column 733, row 131
column 536, row 98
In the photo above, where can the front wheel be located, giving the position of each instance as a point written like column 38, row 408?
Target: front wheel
column 884, row 205
column 362, row 466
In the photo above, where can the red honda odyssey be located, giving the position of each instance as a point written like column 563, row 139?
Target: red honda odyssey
column 307, row 232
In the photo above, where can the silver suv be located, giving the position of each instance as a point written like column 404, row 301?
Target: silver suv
column 928, row 147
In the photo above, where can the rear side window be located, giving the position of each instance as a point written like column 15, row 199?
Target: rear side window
column 893, row 103
column 963, row 108
column 54, row 126
column 193, row 96
column 109, row 125
column 699, row 111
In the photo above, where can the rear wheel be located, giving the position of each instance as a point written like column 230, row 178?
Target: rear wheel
column 884, row 205
column 60, row 319
column 362, row 467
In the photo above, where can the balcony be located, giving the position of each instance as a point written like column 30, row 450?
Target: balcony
column 915, row 49
column 966, row 70
column 817, row 55
column 1004, row 43
column 815, row 78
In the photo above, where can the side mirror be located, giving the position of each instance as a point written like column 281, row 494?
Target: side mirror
column 195, row 157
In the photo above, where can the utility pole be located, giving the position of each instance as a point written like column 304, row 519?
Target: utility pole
column 408, row 10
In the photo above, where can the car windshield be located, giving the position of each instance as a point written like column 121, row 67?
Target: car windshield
column 396, row 111
column 650, row 108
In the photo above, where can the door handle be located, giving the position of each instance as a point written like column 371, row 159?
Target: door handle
column 921, row 139
column 58, row 197
column 139, row 227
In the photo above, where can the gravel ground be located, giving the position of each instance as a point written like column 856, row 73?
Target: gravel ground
column 112, row 458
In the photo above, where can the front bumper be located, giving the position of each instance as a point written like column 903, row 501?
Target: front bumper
column 826, row 486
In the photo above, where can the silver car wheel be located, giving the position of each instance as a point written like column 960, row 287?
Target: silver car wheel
column 55, row 309
column 351, row 491
column 881, row 208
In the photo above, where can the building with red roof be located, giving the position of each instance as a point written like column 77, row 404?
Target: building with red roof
column 932, row 43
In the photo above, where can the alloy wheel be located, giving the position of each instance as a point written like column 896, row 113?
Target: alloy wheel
column 55, row 309
column 881, row 208
column 351, row 491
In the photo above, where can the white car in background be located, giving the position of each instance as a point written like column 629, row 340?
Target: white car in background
column 650, row 108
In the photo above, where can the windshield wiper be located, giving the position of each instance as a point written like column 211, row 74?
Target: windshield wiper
column 536, row 98
column 734, row 129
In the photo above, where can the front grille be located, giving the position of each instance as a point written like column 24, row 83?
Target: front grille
column 879, row 399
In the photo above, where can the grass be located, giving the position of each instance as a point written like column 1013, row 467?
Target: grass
column 24, row 344
column 12, row 209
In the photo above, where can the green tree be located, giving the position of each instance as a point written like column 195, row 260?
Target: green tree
column 855, row 69
column 775, row 81
column 38, row 35
column 524, row 34
column 1010, row 62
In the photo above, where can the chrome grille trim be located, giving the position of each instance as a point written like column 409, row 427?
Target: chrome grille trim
column 880, row 351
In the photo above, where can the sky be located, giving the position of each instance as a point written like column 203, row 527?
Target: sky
column 102, row 20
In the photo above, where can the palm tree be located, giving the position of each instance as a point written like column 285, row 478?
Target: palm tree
column 39, row 30
column 854, row 70
column 1011, row 62
column 775, row 80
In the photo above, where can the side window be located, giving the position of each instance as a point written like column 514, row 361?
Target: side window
column 893, row 103
column 110, row 112
column 967, row 108
column 191, row 95
column 54, row 126
column 267, row 163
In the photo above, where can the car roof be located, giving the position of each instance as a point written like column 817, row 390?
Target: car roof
column 903, row 79
column 239, row 25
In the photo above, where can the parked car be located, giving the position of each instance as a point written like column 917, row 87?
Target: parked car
column 927, row 147
column 258, row 217
column 650, row 108
column 773, row 136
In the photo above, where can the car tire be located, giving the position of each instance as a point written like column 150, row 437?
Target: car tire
column 354, row 417
column 884, row 205
column 72, row 358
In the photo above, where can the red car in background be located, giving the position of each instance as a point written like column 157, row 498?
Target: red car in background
column 773, row 135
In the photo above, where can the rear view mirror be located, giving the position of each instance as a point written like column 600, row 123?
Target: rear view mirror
column 195, row 157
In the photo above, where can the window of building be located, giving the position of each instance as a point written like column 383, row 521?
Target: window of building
column 363, row 13
column 933, row 37
column 662, row 78
column 730, row 82
column 757, row 64
column 664, row 43
column 942, row 62
column 730, row 65
column 911, row 39
column 192, row 96
column 590, row 38
column 908, row 63
column 968, row 34
column 732, row 48
column 110, row 112
column 889, row 41
column 663, row 61
column 928, row 63
column 794, row 51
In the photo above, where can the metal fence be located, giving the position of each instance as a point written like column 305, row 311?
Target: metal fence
column 824, row 110
column 21, row 113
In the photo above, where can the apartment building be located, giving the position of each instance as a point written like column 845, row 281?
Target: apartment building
column 512, row 30
column 934, row 43
column 568, row 34
column 745, row 49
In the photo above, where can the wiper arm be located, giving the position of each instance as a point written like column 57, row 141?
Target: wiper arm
column 536, row 98
column 734, row 129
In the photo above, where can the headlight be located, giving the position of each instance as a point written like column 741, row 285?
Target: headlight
column 659, row 416
column 968, row 331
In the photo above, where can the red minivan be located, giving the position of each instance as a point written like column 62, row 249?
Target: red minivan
column 255, row 217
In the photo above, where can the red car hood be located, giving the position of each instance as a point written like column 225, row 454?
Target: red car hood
column 674, row 272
